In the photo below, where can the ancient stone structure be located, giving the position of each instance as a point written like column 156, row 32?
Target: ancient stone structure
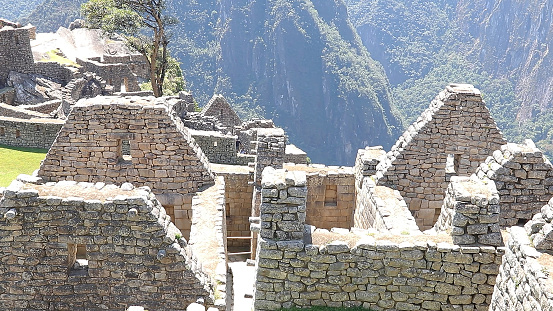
column 218, row 107
column 471, row 212
column 523, row 177
column 524, row 281
column 132, row 139
column 331, row 197
column 15, row 51
column 33, row 132
column 333, row 236
column 457, row 123
column 110, row 248
column 119, row 75
column 380, row 275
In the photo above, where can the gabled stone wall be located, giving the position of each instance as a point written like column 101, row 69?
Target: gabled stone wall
column 219, row 108
column 457, row 123
column 524, row 179
column 162, row 155
column 134, row 253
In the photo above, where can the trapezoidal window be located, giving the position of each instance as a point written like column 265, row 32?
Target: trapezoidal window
column 77, row 261
column 2, row 131
column 17, row 133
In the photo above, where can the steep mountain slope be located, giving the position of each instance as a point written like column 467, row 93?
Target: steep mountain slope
column 13, row 10
column 304, row 64
column 513, row 38
column 298, row 62
column 501, row 46
column 51, row 14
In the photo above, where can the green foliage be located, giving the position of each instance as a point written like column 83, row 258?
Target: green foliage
column 51, row 14
column 143, row 24
column 174, row 80
column 16, row 160
column 14, row 10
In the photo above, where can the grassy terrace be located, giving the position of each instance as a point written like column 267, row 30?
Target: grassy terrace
column 16, row 160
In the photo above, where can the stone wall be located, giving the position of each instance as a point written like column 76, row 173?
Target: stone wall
column 331, row 198
column 46, row 107
column 55, row 71
column 15, row 52
column 159, row 152
column 219, row 108
column 7, row 95
column 33, row 133
column 114, row 74
column 471, row 212
column 19, row 113
column 208, row 239
column 110, row 248
column 220, row 148
column 136, row 62
column 383, row 209
column 295, row 155
column 381, row 275
column 525, row 279
column 524, row 179
column 457, row 123
column 247, row 133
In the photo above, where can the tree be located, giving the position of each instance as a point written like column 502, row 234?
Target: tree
column 143, row 25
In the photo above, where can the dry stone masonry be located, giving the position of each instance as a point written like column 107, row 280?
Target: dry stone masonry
column 108, row 249
column 34, row 133
column 218, row 107
column 457, row 123
column 161, row 153
column 524, row 281
column 380, row 275
column 524, row 179
column 471, row 212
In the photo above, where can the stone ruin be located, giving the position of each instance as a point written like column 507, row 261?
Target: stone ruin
column 136, row 193
column 29, row 82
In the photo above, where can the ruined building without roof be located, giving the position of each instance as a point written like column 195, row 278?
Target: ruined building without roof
column 141, row 201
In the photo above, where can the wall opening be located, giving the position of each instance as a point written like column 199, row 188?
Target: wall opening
column 2, row 131
column 17, row 133
column 124, row 150
column 331, row 195
column 124, row 85
column 77, row 261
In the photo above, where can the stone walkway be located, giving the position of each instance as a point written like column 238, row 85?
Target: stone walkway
column 243, row 282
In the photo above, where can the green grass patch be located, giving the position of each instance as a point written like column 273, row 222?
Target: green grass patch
column 326, row 309
column 56, row 56
column 18, row 160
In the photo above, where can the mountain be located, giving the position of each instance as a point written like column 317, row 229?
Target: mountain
column 14, row 10
column 51, row 14
column 298, row 62
column 512, row 40
column 501, row 46
column 303, row 63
